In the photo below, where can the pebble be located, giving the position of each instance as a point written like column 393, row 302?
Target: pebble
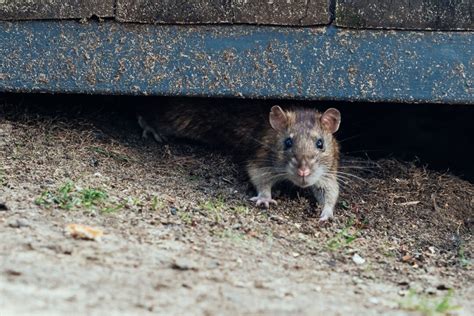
column 358, row 259
column 430, row 290
column 18, row 223
column 183, row 265
column 173, row 210
column 278, row 219
column 357, row 280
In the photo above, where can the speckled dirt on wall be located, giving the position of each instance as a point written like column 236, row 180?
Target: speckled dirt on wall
column 180, row 236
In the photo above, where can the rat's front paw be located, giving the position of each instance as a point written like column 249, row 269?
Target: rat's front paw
column 326, row 214
column 263, row 201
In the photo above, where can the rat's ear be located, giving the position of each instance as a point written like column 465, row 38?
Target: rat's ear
column 278, row 118
column 331, row 120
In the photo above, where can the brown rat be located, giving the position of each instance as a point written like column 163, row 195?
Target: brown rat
column 292, row 144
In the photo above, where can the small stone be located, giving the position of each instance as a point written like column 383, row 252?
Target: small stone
column 374, row 300
column 403, row 283
column 357, row 280
column 358, row 259
column 443, row 287
column 13, row 272
column 406, row 258
column 184, row 265
column 278, row 219
column 18, row 223
column 430, row 290
column 403, row 292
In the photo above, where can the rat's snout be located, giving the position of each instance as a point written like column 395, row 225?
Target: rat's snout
column 303, row 167
column 303, row 171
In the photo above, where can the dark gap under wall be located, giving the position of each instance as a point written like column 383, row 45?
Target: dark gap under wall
column 437, row 136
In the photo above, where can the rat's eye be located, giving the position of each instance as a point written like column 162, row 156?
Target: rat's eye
column 320, row 143
column 288, row 143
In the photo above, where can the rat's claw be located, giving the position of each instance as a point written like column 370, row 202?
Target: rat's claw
column 323, row 219
column 263, row 201
column 326, row 214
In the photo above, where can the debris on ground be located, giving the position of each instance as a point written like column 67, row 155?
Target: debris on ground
column 176, row 230
column 79, row 231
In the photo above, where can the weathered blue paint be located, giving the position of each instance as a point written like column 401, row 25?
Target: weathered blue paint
column 242, row 61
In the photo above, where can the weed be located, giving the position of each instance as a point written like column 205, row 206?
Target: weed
column 186, row 217
column 463, row 260
column 157, row 204
column 344, row 204
column 113, row 208
column 134, row 201
column 213, row 208
column 61, row 197
column 90, row 197
column 69, row 197
column 428, row 306
column 344, row 237
column 387, row 249
column 389, row 253
column 241, row 209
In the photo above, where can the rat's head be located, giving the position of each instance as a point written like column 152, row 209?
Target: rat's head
column 305, row 143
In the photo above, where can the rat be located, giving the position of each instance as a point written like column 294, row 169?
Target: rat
column 295, row 144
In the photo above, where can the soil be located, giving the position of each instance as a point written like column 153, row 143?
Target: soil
column 181, row 237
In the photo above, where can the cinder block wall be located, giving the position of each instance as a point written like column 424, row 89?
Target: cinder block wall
column 401, row 14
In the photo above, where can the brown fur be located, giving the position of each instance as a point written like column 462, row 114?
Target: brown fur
column 247, row 131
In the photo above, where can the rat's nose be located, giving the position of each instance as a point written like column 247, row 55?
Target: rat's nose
column 304, row 172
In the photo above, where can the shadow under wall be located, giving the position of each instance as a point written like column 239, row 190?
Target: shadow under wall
column 438, row 136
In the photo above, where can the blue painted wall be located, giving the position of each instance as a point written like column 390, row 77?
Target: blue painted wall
column 243, row 61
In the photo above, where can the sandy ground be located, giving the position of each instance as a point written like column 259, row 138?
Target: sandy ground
column 181, row 238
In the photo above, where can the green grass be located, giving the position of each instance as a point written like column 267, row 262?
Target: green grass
column 232, row 235
column 185, row 217
column 464, row 261
column 344, row 238
column 429, row 306
column 157, row 204
column 344, row 204
column 113, row 208
column 213, row 208
column 241, row 209
column 70, row 197
column 135, row 201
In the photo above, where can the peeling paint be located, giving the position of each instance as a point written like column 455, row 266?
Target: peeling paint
column 323, row 63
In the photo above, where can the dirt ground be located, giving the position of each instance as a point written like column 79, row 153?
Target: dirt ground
column 181, row 238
